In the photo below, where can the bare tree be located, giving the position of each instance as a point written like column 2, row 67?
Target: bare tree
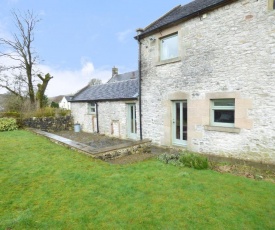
column 19, row 78
column 42, row 88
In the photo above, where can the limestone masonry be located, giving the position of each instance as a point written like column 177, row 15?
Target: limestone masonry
column 225, row 53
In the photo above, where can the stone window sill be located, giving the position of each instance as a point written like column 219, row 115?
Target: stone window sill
column 173, row 60
column 222, row 129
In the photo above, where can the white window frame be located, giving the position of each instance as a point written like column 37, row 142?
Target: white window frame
column 162, row 40
column 91, row 108
column 215, row 107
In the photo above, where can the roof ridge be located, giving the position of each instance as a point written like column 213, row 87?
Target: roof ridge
column 126, row 72
column 109, row 83
column 175, row 8
column 134, row 79
column 182, row 12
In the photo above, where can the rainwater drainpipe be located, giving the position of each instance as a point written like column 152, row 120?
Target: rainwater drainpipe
column 96, row 110
column 139, row 31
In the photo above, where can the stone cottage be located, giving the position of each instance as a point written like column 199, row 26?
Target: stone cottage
column 208, row 78
column 110, row 108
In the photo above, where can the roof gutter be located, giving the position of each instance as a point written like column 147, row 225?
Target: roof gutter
column 102, row 100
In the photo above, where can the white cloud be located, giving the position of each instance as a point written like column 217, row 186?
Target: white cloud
column 69, row 82
column 122, row 36
column 87, row 69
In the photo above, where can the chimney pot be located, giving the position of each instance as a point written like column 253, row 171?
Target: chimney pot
column 114, row 71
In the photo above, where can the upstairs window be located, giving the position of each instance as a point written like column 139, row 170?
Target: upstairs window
column 92, row 108
column 169, row 47
column 223, row 112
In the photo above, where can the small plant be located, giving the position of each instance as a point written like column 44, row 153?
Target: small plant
column 8, row 124
column 186, row 159
column 168, row 158
column 194, row 161
column 63, row 112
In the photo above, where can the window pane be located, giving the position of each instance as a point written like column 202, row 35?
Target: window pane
column 184, row 121
column 92, row 107
column 225, row 102
column 224, row 116
column 132, row 119
column 178, row 121
column 169, row 47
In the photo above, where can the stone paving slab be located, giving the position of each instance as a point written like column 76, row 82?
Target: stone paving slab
column 62, row 140
column 86, row 148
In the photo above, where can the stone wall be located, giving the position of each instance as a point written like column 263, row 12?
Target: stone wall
column 226, row 53
column 50, row 124
column 112, row 117
column 135, row 148
column 80, row 115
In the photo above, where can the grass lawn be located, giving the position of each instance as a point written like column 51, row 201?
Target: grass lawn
column 46, row 186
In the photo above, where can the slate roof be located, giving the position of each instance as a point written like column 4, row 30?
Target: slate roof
column 56, row 99
column 119, row 90
column 124, row 76
column 68, row 98
column 179, row 13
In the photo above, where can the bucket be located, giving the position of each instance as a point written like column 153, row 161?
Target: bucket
column 77, row 128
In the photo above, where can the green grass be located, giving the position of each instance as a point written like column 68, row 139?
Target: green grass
column 46, row 186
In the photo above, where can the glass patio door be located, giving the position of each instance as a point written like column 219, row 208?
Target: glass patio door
column 131, row 121
column 179, row 122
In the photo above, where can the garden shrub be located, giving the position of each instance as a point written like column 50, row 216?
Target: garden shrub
column 166, row 157
column 8, row 124
column 10, row 114
column 185, row 159
column 63, row 112
column 194, row 161
column 45, row 112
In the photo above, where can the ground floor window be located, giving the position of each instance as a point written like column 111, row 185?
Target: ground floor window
column 222, row 112
column 91, row 108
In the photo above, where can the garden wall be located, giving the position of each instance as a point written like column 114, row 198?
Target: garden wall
column 50, row 124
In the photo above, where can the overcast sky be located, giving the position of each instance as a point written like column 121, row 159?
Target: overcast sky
column 84, row 39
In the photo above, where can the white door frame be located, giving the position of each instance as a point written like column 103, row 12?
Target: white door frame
column 131, row 121
column 179, row 123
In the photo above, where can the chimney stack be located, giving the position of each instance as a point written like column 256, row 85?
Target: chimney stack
column 139, row 31
column 114, row 71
